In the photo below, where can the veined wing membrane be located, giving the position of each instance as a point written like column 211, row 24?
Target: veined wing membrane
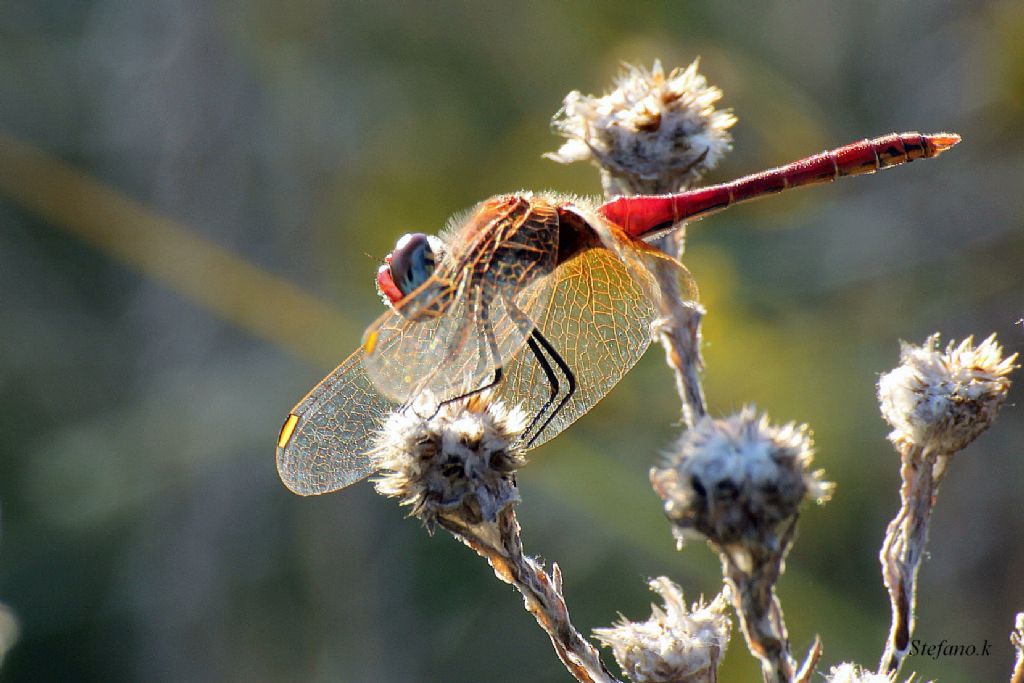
column 596, row 309
column 599, row 320
column 324, row 443
column 451, row 354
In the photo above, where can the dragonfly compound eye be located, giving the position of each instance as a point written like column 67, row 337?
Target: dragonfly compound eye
column 412, row 262
column 407, row 267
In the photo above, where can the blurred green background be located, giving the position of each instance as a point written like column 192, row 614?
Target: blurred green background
column 276, row 150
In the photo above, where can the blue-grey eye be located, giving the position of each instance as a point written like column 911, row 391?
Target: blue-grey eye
column 412, row 262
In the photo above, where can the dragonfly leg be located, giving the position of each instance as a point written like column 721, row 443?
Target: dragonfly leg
column 451, row 355
column 535, row 335
column 549, row 372
column 492, row 347
column 540, row 346
column 495, row 380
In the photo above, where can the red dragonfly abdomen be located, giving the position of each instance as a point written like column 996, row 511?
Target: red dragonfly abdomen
column 645, row 215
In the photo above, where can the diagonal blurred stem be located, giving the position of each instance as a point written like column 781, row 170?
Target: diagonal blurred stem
column 203, row 272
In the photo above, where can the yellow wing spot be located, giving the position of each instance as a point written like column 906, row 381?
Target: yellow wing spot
column 287, row 429
column 370, row 343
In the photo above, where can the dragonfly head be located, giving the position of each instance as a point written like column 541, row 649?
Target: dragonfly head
column 408, row 266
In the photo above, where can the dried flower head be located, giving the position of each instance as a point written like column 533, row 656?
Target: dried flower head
column 851, row 673
column 736, row 480
column 940, row 401
column 652, row 133
column 458, row 462
column 675, row 644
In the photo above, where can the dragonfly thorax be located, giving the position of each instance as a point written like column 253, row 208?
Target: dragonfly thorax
column 503, row 246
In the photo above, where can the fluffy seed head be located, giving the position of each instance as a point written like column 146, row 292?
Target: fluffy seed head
column 457, row 461
column 675, row 644
column 735, row 480
column 940, row 401
column 851, row 673
column 652, row 133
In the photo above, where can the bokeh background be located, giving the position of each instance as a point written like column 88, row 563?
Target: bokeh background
column 194, row 197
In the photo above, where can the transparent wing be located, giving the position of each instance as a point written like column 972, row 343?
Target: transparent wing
column 599, row 320
column 453, row 353
column 596, row 309
column 324, row 442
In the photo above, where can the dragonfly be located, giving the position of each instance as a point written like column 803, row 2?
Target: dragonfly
column 546, row 301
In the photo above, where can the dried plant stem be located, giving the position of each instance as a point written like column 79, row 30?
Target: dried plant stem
column 501, row 545
column 806, row 672
column 678, row 328
column 904, row 547
column 1017, row 640
column 752, row 581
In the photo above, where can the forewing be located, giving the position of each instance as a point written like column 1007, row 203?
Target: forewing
column 599, row 318
column 324, row 443
column 452, row 354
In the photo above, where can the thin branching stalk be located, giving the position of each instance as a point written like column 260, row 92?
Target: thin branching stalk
column 810, row 665
column 937, row 401
column 678, row 330
column 455, row 469
column 759, row 609
column 904, row 548
column 542, row 593
column 738, row 483
column 679, row 322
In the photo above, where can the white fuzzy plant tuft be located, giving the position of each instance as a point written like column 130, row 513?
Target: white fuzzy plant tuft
column 676, row 645
column 941, row 400
column 651, row 130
